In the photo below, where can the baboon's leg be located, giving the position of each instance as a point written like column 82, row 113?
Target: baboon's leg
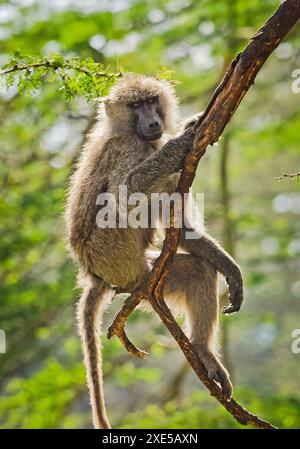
column 191, row 289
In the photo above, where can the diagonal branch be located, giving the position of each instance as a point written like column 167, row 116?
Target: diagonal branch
column 224, row 102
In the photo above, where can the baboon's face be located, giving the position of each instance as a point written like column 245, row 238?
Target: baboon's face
column 148, row 118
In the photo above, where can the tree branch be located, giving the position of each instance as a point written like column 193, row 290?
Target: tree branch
column 288, row 175
column 224, row 102
column 76, row 76
column 54, row 65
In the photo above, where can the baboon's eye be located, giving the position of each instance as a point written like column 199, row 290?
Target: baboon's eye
column 152, row 100
column 135, row 105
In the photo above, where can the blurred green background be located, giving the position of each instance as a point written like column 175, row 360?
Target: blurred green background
column 42, row 379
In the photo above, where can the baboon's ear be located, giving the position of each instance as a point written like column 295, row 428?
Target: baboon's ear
column 105, row 100
column 107, row 105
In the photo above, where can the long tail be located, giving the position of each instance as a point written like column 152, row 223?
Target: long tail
column 90, row 310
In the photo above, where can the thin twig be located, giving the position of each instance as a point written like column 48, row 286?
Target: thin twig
column 288, row 175
column 224, row 102
column 48, row 64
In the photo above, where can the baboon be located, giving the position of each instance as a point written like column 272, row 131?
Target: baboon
column 133, row 144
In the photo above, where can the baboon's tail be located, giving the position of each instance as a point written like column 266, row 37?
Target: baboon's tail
column 90, row 310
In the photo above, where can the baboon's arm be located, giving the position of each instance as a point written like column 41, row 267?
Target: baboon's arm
column 152, row 173
column 202, row 245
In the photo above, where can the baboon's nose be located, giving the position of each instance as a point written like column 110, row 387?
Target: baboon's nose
column 154, row 125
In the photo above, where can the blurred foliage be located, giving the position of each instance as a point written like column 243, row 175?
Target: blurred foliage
column 200, row 411
column 42, row 377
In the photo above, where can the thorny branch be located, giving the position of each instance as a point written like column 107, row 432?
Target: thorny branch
column 225, row 100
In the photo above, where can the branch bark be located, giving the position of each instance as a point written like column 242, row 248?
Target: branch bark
column 224, row 102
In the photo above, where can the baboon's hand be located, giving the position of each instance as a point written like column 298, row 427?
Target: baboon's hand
column 184, row 142
column 192, row 120
column 235, row 286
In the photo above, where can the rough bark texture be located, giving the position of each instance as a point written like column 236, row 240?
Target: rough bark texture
column 224, row 102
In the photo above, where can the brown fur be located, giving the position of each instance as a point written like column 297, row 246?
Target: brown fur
column 114, row 154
